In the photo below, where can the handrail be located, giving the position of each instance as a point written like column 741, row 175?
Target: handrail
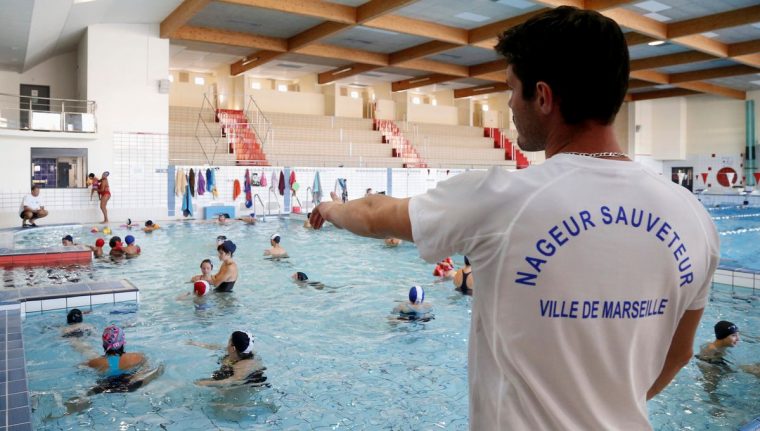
column 210, row 133
column 269, row 204
column 47, row 113
column 48, row 98
column 257, row 197
column 260, row 121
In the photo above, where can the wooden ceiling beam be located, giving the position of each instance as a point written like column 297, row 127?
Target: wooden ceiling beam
column 377, row 8
column 500, row 76
column 181, row 15
column 744, row 48
column 600, row 5
column 637, row 83
column 334, row 51
column 234, row 38
column 344, row 72
column 481, row 89
column 706, row 87
column 253, row 60
column 316, row 33
column 419, row 51
column 651, row 76
column 632, row 38
column 733, row 18
column 493, row 30
column 416, row 27
column 718, row 72
column 660, row 94
column 420, row 81
column 670, row 60
column 312, row 8
column 484, row 68
column 435, row 67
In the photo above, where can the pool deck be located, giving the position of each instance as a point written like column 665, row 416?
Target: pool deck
column 15, row 407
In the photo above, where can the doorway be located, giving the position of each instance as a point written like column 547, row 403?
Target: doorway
column 33, row 98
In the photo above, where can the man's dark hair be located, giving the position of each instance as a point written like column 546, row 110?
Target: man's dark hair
column 35, row 187
column 582, row 56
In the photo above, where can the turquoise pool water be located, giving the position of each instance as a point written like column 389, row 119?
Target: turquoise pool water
column 739, row 229
column 334, row 358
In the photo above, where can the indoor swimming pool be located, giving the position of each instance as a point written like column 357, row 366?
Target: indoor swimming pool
column 739, row 229
column 334, row 357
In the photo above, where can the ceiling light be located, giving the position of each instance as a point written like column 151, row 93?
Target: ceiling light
column 249, row 60
column 710, row 34
column 656, row 43
column 338, row 72
column 658, row 17
column 469, row 16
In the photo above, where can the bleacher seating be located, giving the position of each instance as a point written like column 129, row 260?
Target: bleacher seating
column 442, row 146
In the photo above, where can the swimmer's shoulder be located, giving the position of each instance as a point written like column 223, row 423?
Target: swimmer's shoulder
column 131, row 360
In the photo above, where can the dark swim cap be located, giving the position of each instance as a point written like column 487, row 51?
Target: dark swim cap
column 301, row 276
column 149, row 223
column 242, row 341
column 724, row 328
column 466, row 261
column 74, row 316
column 228, row 246
column 68, row 238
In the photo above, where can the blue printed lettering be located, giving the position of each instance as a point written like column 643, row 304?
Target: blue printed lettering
column 687, row 279
column 527, row 279
column 586, row 219
column 569, row 230
column 651, row 223
column 557, row 235
column 634, row 222
column 621, row 216
column 664, row 230
column 679, row 251
column 606, row 216
column 535, row 262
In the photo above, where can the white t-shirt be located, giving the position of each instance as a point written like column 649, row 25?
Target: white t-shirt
column 584, row 268
column 32, row 202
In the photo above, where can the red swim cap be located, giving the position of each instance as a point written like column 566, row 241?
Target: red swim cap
column 100, row 242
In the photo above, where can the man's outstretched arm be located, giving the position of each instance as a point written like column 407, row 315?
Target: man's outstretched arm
column 375, row 216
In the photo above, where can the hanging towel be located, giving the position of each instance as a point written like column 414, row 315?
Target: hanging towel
column 208, row 180
column 342, row 182
column 274, row 180
column 191, row 181
column 179, row 182
column 316, row 189
column 214, row 192
column 292, row 178
column 263, row 182
column 281, row 184
column 235, row 189
column 187, row 203
column 201, row 183
column 247, row 189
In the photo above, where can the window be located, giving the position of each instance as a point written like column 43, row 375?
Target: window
column 434, row 102
column 355, row 94
column 256, row 85
column 416, row 100
column 60, row 167
column 199, row 80
column 282, row 87
column 485, row 108
column 171, row 78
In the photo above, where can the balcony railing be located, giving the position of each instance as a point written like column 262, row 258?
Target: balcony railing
column 47, row 114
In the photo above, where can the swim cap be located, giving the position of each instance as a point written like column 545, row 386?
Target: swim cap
column 220, row 239
column 129, row 239
column 94, row 229
column 229, row 246
column 113, row 338
column 301, row 276
column 243, row 342
column 724, row 328
column 100, row 242
column 276, row 238
column 416, row 295
column 106, row 173
column 74, row 316
column 149, row 223
column 107, row 231
column 115, row 242
column 129, row 222
column 201, row 287
column 466, row 261
column 68, row 238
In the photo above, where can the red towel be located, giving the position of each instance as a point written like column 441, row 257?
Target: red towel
column 281, row 185
column 235, row 190
column 292, row 178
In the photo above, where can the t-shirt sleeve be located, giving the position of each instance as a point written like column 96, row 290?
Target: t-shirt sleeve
column 443, row 217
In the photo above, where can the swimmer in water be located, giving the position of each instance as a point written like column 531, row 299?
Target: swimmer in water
column 276, row 250
column 225, row 279
column 303, row 280
column 132, row 249
column 463, row 279
column 116, row 248
column 150, row 226
column 240, row 366
column 307, row 223
column 201, row 288
column 249, row 219
column 416, row 305
column 97, row 249
column 206, row 268
column 67, row 241
column 75, row 326
column 726, row 335
column 392, row 242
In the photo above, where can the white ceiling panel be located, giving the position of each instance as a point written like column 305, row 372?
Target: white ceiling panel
column 467, row 14
column 15, row 21
column 252, row 20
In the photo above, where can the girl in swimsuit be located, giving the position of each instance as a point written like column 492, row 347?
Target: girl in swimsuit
column 104, row 191
column 463, row 279
column 239, row 366
column 225, row 279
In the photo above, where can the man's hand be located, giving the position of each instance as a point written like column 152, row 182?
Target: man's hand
column 322, row 212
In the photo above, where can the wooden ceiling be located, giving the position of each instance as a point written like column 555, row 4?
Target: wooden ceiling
column 744, row 57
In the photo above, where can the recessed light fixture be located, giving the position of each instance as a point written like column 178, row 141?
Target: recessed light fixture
column 656, row 43
column 283, row 88
column 658, row 17
column 710, row 34
column 469, row 16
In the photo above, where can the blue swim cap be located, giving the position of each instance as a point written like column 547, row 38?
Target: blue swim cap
column 416, row 295
column 129, row 239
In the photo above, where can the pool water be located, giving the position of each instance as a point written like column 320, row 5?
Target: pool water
column 739, row 229
column 334, row 358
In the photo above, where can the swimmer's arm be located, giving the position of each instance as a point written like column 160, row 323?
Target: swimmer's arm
column 220, row 276
column 212, row 382
column 209, row 346
column 680, row 351
column 375, row 216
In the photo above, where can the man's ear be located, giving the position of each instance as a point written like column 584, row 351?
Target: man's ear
column 544, row 98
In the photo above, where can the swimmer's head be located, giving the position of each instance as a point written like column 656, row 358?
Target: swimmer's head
column 113, row 340
column 220, row 240
column 149, row 223
column 300, row 276
column 129, row 239
column 100, row 242
column 74, row 316
column 242, row 342
column 91, row 176
column 114, row 242
column 106, row 174
column 67, row 240
column 725, row 329
column 466, row 261
column 416, row 295
column 228, row 247
column 206, row 266
column 201, row 288
column 275, row 238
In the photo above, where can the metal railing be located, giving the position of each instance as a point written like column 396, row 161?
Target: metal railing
column 259, row 123
column 50, row 114
column 201, row 125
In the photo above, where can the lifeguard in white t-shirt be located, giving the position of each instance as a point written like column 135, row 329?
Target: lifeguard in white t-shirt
column 32, row 208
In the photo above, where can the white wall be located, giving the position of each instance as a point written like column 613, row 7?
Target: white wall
column 348, row 107
column 188, row 93
column 715, row 124
column 290, row 102
column 661, row 128
column 432, row 114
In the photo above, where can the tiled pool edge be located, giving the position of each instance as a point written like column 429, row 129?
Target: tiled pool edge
column 737, row 277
